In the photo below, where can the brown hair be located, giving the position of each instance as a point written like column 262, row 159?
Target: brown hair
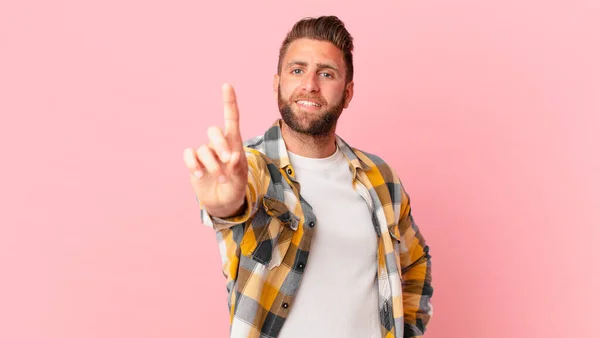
column 324, row 28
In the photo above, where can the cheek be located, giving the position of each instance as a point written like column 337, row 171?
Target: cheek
column 286, row 91
column 335, row 94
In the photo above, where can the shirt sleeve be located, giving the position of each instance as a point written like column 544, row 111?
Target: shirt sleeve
column 416, row 273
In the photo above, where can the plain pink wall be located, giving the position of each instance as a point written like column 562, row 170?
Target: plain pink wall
column 488, row 110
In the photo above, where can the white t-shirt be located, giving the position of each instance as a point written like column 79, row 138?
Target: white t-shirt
column 338, row 295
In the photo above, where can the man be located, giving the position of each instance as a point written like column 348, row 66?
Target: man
column 316, row 237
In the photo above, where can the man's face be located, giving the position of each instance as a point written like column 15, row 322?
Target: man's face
column 312, row 90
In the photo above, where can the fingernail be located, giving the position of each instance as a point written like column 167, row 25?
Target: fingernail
column 198, row 173
column 222, row 179
column 225, row 156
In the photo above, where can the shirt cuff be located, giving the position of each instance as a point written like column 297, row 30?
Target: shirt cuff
column 222, row 223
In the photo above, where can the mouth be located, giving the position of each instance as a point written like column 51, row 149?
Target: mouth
column 308, row 104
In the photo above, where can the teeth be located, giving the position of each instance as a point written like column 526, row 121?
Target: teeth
column 308, row 103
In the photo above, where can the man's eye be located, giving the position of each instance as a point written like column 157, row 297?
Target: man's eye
column 327, row 75
column 297, row 71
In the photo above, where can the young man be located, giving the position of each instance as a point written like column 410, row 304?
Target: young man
column 316, row 237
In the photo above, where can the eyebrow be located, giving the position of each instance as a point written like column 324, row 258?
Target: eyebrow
column 305, row 64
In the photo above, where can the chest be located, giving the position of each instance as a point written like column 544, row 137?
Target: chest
column 345, row 225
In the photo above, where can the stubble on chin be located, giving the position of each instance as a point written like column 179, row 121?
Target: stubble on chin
column 319, row 125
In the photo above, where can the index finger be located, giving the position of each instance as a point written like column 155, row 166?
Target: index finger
column 232, row 115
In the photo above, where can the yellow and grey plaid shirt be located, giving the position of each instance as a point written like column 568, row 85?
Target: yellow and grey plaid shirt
column 265, row 249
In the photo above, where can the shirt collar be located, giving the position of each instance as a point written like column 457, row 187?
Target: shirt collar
column 277, row 151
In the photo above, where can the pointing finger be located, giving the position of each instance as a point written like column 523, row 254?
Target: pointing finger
column 232, row 117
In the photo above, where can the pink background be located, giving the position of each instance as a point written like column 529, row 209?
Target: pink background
column 488, row 110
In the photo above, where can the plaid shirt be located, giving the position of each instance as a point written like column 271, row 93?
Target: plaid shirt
column 264, row 250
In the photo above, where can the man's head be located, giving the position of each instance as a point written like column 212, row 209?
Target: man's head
column 314, row 75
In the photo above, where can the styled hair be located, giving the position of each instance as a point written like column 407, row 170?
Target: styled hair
column 324, row 28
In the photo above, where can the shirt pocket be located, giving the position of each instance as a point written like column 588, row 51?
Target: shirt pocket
column 269, row 235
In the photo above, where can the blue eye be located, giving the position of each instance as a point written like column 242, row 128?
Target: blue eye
column 327, row 75
column 296, row 71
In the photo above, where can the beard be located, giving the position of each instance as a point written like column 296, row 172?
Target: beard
column 320, row 124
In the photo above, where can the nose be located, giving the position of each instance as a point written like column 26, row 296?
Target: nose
column 310, row 82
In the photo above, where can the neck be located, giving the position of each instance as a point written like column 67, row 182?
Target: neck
column 308, row 145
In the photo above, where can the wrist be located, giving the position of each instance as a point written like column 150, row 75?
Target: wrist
column 232, row 210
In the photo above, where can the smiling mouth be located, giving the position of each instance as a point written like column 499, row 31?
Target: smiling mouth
column 307, row 103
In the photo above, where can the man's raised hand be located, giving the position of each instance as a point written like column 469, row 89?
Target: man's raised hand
column 219, row 170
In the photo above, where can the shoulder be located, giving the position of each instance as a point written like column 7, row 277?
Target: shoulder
column 366, row 158
column 377, row 163
column 256, row 142
column 255, row 149
column 384, row 179
column 373, row 159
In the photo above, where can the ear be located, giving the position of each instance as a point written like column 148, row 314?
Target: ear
column 349, row 93
column 276, row 86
